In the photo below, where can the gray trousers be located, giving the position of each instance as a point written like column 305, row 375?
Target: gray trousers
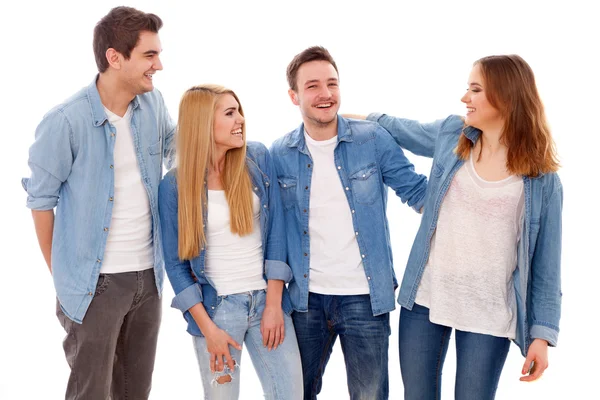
column 111, row 354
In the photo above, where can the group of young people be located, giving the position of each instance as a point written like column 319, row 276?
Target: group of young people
column 283, row 250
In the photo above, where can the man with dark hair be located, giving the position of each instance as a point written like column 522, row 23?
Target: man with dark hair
column 334, row 173
column 97, row 158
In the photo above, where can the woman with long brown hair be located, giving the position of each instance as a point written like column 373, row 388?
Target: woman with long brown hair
column 225, row 251
column 486, row 259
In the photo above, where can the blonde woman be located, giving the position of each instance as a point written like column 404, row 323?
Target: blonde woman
column 225, row 251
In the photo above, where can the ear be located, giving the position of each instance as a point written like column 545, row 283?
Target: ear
column 114, row 58
column 293, row 96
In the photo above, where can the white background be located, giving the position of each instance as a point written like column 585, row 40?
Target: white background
column 398, row 57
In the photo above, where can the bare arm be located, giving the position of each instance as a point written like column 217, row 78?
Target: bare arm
column 44, row 226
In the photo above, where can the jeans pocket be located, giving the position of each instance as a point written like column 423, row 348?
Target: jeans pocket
column 102, row 285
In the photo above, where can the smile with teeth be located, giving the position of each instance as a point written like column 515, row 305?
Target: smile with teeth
column 470, row 109
column 324, row 105
column 149, row 76
column 237, row 132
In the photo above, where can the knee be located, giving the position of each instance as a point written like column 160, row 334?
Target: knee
column 223, row 379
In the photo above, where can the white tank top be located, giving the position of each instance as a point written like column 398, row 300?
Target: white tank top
column 233, row 263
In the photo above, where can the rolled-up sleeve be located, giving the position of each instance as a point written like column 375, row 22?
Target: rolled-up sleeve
column 275, row 269
column 50, row 161
column 187, row 298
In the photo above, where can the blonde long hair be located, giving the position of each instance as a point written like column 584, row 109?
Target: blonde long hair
column 511, row 88
column 195, row 152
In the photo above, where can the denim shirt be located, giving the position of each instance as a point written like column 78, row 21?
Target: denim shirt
column 189, row 291
column 71, row 169
column 368, row 161
column 536, row 278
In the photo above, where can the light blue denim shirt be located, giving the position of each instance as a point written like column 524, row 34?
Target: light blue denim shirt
column 189, row 292
column 71, row 169
column 537, row 275
column 368, row 161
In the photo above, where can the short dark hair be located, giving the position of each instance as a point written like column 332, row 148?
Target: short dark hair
column 315, row 53
column 120, row 29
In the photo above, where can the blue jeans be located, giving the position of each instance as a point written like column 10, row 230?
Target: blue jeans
column 364, row 339
column 279, row 370
column 423, row 346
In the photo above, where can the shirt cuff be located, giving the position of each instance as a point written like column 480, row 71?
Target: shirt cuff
column 278, row 270
column 188, row 298
column 374, row 117
column 543, row 332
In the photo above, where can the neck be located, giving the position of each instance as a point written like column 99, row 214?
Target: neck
column 219, row 162
column 491, row 141
column 319, row 131
column 112, row 94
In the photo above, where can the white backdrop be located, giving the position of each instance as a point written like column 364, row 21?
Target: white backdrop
column 401, row 57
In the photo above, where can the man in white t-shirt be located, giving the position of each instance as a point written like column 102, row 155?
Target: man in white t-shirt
column 333, row 174
column 98, row 158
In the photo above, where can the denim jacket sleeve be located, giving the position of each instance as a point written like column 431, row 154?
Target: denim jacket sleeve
column 169, row 129
column 546, row 293
column 50, row 161
column 399, row 173
column 187, row 291
column 418, row 138
column 276, row 251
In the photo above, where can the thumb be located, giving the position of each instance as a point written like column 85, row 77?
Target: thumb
column 528, row 361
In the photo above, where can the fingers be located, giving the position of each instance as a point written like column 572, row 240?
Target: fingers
column 276, row 337
column 270, row 339
column 535, row 372
column 213, row 358
column 233, row 343
column 229, row 360
column 527, row 364
column 282, row 336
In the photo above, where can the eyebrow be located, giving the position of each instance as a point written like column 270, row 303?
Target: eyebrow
column 230, row 108
column 475, row 84
column 316, row 80
column 151, row 52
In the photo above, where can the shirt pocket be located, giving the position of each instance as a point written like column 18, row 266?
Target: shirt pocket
column 365, row 184
column 287, row 187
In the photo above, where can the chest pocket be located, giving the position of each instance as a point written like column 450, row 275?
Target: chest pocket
column 287, row 187
column 365, row 185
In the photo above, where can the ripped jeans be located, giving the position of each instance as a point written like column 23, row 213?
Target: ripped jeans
column 279, row 371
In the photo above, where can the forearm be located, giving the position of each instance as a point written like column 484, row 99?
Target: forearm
column 44, row 227
column 274, row 292
column 203, row 320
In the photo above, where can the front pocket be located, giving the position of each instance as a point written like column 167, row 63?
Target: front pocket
column 287, row 187
column 154, row 149
column 102, row 285
column 365, row 184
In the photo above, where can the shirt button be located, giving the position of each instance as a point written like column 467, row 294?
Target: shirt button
column 305, row 254
column 363, row 256
column 110, row 199
column 111, row 166
column 306, row 187
column 255, row 188
column 213, row 308
column 305, row 232
column 265, row 206
column 352, row 211
column 305, row 275
column 356, row 233
column 284, row 185
column 347, row 188
column 105, row 229
column 112, row 134
column 90, row 294
column 368, row 277
column 267, row 184
column 98, row 260
column 304, row 210
column 364, row 175
column 339, row 167
column 308, row 165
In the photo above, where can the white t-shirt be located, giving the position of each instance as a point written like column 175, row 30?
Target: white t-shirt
column 233, row 263
column 129, row 243
column 336, row 266
column 467, row 283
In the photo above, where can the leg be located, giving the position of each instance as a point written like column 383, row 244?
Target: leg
column 365, row 342
column 423, row 346
column 315, row 341
column 231, row 315
column 479, row 362
column 136, row 347
column 279, row 370
column 90, row 346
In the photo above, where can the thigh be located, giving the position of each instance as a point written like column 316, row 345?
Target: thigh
column 231, row 315
column 315, row 341
column 136, row 347
column 90, row 346
column 279, row 370
column 479, row 362
column 365, row 343
column 423, row 346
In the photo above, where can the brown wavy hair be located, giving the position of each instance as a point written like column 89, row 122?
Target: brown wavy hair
column 510, row 88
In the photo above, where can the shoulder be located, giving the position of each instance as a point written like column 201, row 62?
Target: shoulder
column 549, row 183
column 255, row 149
column 74, row 106
column 282, row 144
column 363, row 129
column 153, row 99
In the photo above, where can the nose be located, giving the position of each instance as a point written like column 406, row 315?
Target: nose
column 465, row 98
column 241, row 119
column 157, row 64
